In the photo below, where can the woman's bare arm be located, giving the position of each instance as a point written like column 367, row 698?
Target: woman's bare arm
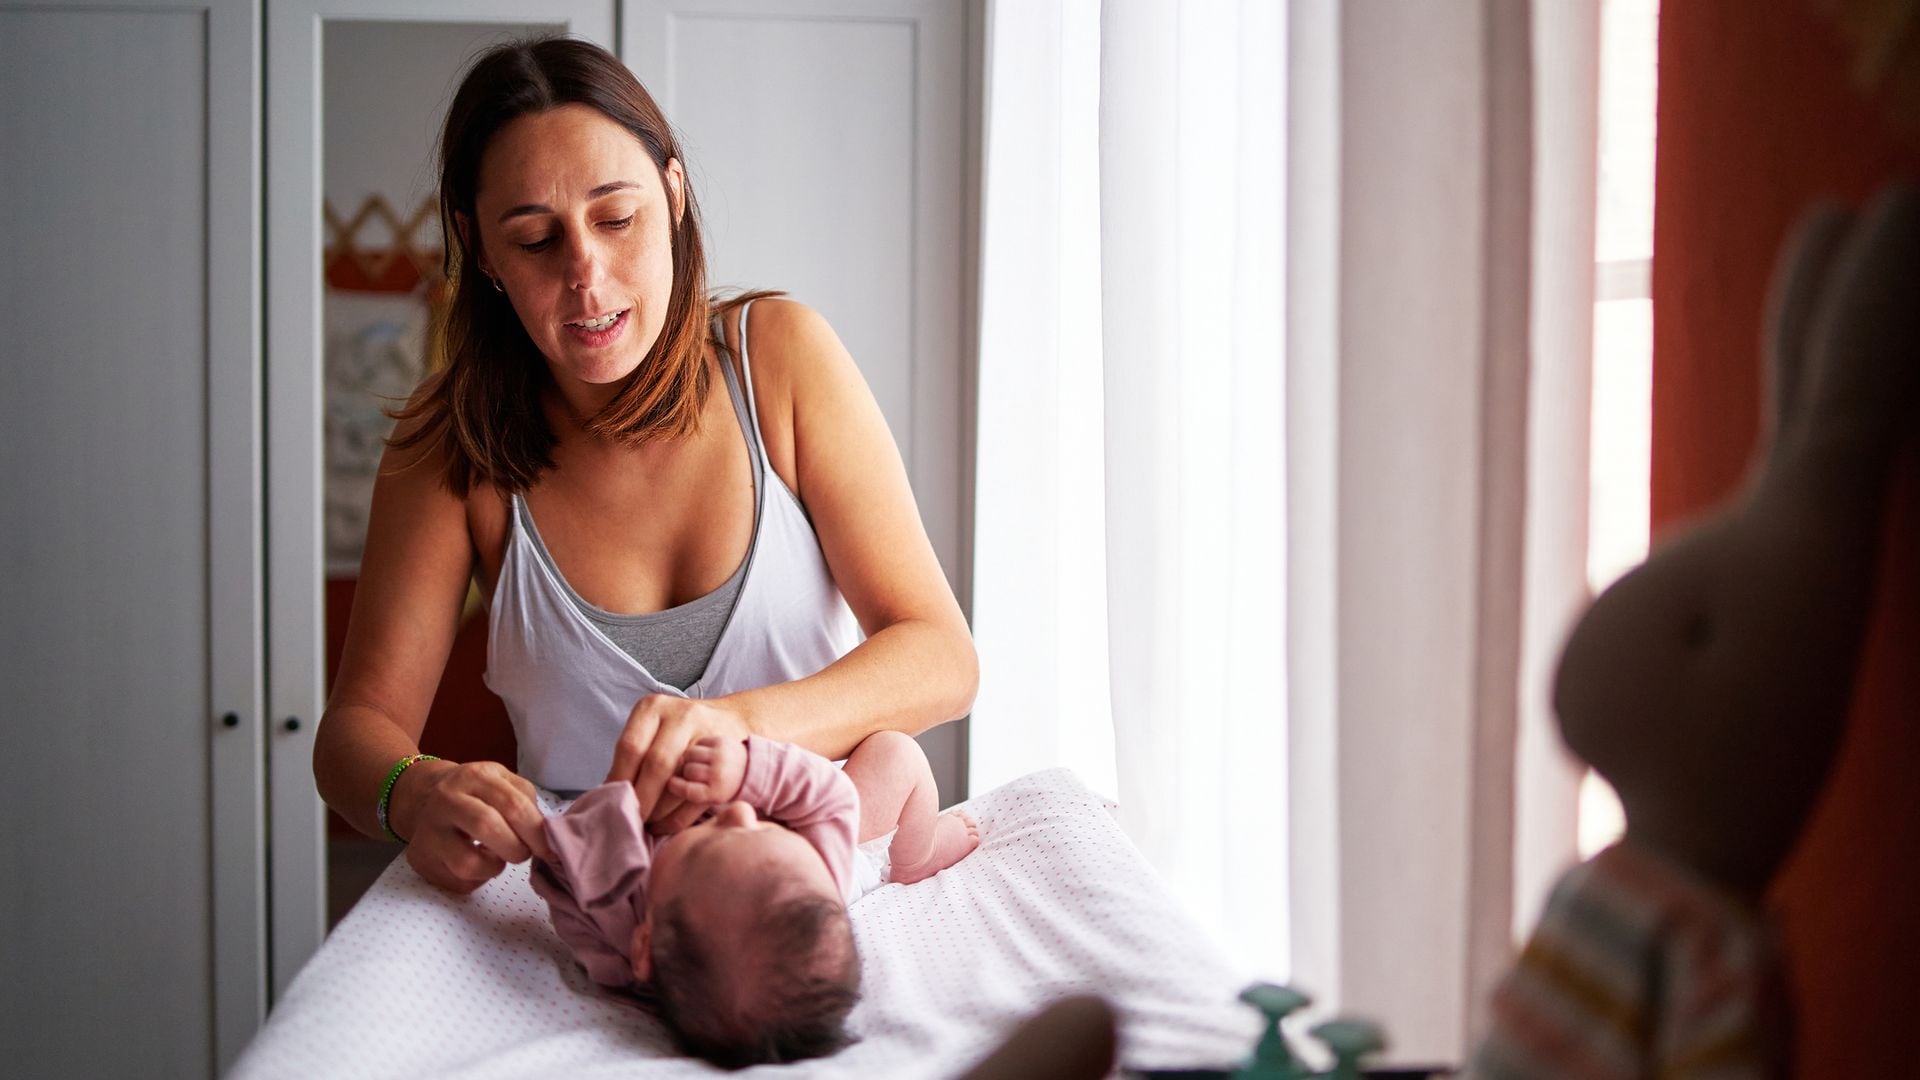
column 917, row 667
column 406, row 611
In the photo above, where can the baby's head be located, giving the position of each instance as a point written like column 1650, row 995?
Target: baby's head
column 746, row 952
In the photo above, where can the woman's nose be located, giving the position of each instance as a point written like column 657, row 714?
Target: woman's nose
column 735, row 815
column 584, row 263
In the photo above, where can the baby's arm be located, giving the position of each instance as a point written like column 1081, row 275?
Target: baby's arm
column 711, row 771
column 787, row 783
column 897, row 789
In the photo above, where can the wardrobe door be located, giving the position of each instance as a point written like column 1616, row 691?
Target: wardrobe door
column 309, row 86
column 830, row 147
column 133, row 923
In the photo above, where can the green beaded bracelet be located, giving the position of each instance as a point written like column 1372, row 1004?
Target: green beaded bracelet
column 386, row 792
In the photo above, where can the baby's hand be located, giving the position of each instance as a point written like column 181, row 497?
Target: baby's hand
column 711, row 771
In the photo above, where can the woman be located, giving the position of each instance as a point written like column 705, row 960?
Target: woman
column 669, row 590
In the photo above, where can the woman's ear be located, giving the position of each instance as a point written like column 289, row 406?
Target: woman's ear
column 641, row 950
column 676, row 189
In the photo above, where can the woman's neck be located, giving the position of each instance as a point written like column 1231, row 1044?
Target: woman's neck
column 570, row 404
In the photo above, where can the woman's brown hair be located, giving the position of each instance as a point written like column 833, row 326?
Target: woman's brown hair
column 481, row 412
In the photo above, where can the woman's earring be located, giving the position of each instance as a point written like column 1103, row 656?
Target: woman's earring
column 497, row 287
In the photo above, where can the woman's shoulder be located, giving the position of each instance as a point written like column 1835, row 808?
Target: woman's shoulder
column 790, row 345
column 781, row 315
column 779, row 328
column 796, row 363
column 420, row 466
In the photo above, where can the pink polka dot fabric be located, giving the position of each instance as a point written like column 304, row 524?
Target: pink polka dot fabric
column 1057, row 901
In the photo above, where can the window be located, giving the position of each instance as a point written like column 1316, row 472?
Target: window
column 1622, row 331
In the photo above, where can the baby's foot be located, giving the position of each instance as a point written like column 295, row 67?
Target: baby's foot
column 954, row 835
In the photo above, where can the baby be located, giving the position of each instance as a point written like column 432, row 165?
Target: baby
column 734, row 931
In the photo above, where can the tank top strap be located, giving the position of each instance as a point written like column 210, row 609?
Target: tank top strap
column 746, row 377
column 742, row 398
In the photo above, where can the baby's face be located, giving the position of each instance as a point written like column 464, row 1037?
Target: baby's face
column 723, row 867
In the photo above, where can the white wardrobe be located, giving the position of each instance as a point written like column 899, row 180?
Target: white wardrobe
column 161, row 619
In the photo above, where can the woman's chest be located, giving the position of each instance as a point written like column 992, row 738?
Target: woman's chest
column 631, row 537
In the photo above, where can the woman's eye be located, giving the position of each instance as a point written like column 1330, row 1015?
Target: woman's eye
column 541, row 245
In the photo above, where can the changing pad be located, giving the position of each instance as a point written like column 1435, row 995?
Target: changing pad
column 1057, row 901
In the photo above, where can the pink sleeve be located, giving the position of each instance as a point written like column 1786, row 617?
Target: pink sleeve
column 595, row 885
column 803, row 791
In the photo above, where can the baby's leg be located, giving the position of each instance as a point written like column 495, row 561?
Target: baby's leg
column 897, row 789
column 1711, row 685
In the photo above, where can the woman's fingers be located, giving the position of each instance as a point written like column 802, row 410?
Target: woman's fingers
column 665, row 733
column 522, row 815
column 450, row 860
column 504, row 814
column 687, row 813
column 668, row 805
column 688, row 798
column 660, row 762
column 479, row 866
column 491, row 832
column 642, row 724
column 471, row 864
column 475, row 818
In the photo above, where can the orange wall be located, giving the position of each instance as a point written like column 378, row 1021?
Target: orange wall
column 1756, row 118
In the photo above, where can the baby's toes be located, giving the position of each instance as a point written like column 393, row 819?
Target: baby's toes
column 969, row 831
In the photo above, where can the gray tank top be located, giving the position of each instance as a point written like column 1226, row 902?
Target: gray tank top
column 569, row 687
column 675, row 644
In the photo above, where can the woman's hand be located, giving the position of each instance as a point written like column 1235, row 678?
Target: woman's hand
column 658, row 732
column 464, row 822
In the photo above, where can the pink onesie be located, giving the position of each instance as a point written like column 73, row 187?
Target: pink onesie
column 596, row 885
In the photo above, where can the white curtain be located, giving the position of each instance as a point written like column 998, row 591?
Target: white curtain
column 1040, row 595
column 1251, row 514
column 1192, row 118
column 1130, row 543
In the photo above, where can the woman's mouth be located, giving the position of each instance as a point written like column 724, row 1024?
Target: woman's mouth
column 599, row 331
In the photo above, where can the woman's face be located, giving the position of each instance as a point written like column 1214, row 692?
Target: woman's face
column 575, row 223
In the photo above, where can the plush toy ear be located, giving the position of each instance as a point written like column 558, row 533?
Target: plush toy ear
column 1794, row 296
column 641, row 950
column 1860, row 359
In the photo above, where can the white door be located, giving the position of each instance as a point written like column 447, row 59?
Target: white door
column 828, row 144
column 133, row 922
column 297, row 32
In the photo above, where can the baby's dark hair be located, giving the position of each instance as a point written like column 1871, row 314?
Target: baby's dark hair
column 807, row 981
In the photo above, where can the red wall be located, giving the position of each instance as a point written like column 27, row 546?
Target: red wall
column 1756, row 118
